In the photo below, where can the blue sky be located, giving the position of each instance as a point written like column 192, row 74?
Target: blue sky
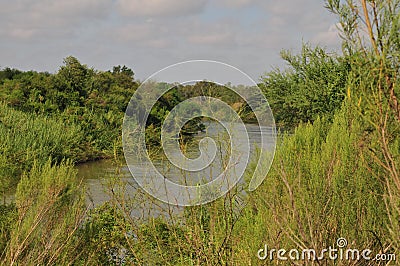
column 150, row 35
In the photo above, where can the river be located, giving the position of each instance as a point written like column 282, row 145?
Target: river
column 99, row 176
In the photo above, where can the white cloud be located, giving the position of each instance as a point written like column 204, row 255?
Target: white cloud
column 149, row 34
column 235, row 3
column 212, row 39
column 160, row 8
column 219, row 33
column 329, row 37
column 143, row 35
column 21, row 33
column 74, row 8
column 299, row 13
column 26, row 19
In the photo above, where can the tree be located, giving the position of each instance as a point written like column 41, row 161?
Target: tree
column 73, row 79
column 314, row 85
column 8, row 73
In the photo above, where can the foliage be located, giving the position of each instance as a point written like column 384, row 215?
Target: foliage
column 8, row 215
column 50, row 208
column 314, row 85
column 373, row 91
column 198, row 236
column 104, row 236
column 317, row 191
column 336, row 176
column 93, row 100
column 25, row 138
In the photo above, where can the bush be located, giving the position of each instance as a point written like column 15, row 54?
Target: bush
column 317, row 191
column 312, row 86
column 50, row 208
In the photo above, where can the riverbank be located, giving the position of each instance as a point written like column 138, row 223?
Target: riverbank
column 334, row 183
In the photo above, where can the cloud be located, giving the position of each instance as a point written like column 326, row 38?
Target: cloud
column 329, row 37
column 21, row 33
column 299, row 13
column 300, row 21
column 74, row 8
column 143, row 35
column 25, row 19
column 236, row 3
column 160, row 8
column 201, row 33
column 212, row 39
column 147, row 35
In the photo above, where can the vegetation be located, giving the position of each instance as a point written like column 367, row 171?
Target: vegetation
column 26, row 139
column 93, row 100
column 48, row 211
column 313, row 86
column 335, row 175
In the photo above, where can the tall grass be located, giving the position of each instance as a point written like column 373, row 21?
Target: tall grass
column 50, row 209
column 25, row 138
column 317, row 191
column 334, row 178
column 39, row 228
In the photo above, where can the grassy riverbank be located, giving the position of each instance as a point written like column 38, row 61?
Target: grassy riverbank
column 336, row 176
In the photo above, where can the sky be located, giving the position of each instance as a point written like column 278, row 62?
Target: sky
column 148, row 35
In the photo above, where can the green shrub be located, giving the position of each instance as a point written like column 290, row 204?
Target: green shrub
column 317, row 191
column 313, row 85
column 50, row 209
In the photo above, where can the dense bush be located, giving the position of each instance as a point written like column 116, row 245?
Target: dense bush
column 49, row 210
column 312, row 85
column 336, row 176
column 318, row 190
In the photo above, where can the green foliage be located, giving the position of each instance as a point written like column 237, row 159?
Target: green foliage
column 93, row 100
column 336, row 176
column 338, row 179
column 104, row 235
column 373, row 91
column 317, row 191
column 158, row 242
column 50, row 208
column 96, row 101
column 314, row 85
column 199, row 235
column 8, row 73
column 25, row 138
column 111, row 238
column 8, row 215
